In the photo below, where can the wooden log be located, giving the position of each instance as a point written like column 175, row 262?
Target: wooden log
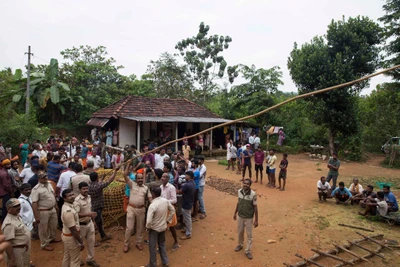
column 332, row 256
column 308, row 260
column 350, row 252
column 370, row 251
column 347, row 246
column 356, row 227
column 376, row 242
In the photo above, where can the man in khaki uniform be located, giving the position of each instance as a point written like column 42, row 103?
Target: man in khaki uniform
column 83, row 206
column 45, row 207
column 73, row 243
column 15, row 231
column 139, row 193
column 78, row 178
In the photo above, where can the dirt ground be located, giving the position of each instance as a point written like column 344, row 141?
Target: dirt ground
column 293, row 218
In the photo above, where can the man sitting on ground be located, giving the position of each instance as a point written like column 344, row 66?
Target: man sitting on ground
column 323, row 188
column 355, row 189
column 341, row 194
column 377, row 206
column 390, row 199
column 363, row 197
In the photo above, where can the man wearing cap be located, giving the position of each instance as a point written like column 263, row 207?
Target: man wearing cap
column 6, row 187
column 83, row 206
column 73, row 243
column 45, row 210
column 16, row 232
column 139, row 193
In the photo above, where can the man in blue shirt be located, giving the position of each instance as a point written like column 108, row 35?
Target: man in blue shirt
column 390, row 199
column 246, row 155
column 341, row 194
column 196, row 174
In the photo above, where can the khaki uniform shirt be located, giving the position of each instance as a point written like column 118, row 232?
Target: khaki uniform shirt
column 15, row 230
column 84, row 205
column 138, row 194
column 76, row 180
column 43, row 194
column 69, row 217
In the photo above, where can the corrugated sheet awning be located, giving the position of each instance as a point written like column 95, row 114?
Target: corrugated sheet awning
column 98, row 122
column 176, row 119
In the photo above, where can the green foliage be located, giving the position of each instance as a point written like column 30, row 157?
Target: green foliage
column 379, row 114
column 14, row 128
column 202, row 53
column 170, row 79
column 223, row 162
column 391, row 33
column 349, row 50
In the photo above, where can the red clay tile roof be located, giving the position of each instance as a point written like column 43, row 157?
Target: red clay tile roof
column 157, row 107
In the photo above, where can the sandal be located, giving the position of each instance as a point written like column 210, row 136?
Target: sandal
column 202, row 216
column 175, row 247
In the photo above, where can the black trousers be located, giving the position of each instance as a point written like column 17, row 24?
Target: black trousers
column 99, row 222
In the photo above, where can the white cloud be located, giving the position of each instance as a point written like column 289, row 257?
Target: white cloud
column 135, row 32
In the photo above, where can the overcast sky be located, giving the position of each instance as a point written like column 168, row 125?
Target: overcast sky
column 134, row 32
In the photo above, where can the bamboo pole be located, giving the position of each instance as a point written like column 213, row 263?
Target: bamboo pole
column 350, row 252
column 308, row 260
column 373, row 240
column 331, row 88
column 370, row 251
column 332, row 256
column 356, row 227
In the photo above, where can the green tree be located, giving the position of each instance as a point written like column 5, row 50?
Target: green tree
column 391, row 33
column 255, row 94
column 348, row 51
column 170, row 80
column 203, row 54
column 380, row 115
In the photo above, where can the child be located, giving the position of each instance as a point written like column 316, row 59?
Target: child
column 283, row 172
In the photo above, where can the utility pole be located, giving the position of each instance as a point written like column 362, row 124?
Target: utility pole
column 28, row 81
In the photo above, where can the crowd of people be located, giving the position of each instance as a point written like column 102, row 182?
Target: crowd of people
column 58, row 187
column 373, row 203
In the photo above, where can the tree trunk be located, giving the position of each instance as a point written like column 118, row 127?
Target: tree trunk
column 331, row 137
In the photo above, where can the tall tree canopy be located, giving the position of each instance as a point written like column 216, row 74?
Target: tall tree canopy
column 203, row 54
column 170, row 79
column 348, row 51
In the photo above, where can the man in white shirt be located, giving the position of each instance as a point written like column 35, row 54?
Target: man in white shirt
column 202, row 182
column 323, row 189
column 257, row 141
column 26, row 210
column 251, row 141
column 27, row 173
column 160, row 213
column 377, row 206
column 159, row 159
column 96, row 160
column 168, row 192
column 355, row 189
column 63, row 183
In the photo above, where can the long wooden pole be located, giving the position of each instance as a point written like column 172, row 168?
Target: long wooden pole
column 281, row 104
column 373, row 240
column 277, row 106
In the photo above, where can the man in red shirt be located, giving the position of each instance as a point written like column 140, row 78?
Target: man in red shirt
column 259, row 157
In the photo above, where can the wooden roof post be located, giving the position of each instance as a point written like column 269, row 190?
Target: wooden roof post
column 138, row 136
column 211, row 140
column 176, row 136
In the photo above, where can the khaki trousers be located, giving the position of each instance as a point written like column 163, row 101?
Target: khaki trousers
column 134, row 216
column 87, row 232
column 47, row 227
column 71, row 252
column 245, row 225
column 22, row 256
